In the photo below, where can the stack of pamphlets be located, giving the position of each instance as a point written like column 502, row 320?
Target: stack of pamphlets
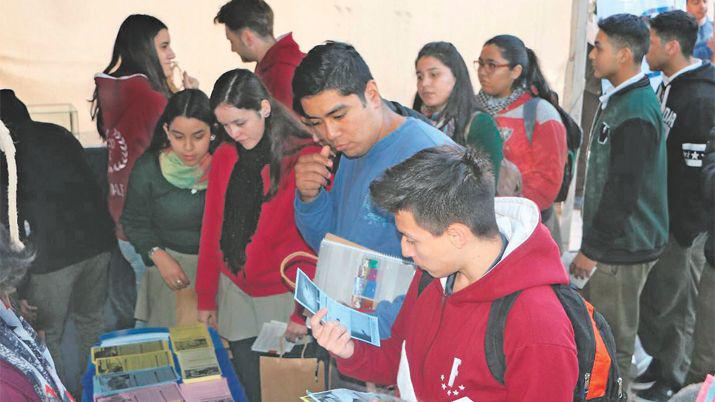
column 346, row 395
column 197, row 358
column 141, row 367
column 123, row 369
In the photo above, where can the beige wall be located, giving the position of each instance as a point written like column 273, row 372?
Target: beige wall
column 50, row 49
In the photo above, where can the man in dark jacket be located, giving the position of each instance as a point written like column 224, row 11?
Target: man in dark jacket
column 703, row 339
column 625, row 213
column 249, row 29
column 667, row 308
column 63, row 216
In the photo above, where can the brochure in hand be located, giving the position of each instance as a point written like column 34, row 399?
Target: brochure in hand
column 362, row 327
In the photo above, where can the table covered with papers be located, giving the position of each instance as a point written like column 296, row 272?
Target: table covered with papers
column 161, row 364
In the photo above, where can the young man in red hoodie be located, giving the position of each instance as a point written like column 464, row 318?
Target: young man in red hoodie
column 480, row 249
column 249, row 28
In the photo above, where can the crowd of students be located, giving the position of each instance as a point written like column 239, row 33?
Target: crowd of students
column 209, row 194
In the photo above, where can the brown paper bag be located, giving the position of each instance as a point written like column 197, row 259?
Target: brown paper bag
column 285, row 379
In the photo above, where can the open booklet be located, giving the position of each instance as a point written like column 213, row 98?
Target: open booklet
column 359, row 277
column 567, row 258
column 362, row 327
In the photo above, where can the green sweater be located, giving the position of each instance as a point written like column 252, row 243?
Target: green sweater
column 158, row 214
column 625, row 212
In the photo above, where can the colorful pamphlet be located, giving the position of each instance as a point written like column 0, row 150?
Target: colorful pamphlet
column 190, row 337
column 114, row 383
column 143, row 361
column 199, row 365
column 346, row 395
column 359, row 277
column 214, row 390
column 168, row 392
column 99, row 352
column 362, row 326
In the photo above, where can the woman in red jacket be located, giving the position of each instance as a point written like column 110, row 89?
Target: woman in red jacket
column 248, row 226
column 510, row 77
column 129, row 97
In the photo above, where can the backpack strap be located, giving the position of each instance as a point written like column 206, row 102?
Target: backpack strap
column 530, row 117
column 494, row 338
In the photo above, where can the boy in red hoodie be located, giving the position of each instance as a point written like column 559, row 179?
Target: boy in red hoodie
column 480, row 249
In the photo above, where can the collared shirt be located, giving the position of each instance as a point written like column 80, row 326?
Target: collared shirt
column 605, row 97
column 667, row 80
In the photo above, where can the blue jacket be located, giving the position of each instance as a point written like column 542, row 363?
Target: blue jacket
column 346, row 210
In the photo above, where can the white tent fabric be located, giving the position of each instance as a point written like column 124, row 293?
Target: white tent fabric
column 51, row 49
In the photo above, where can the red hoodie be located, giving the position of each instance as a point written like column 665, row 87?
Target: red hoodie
column 275, row 238
column 130, row 111
column 436, row 352
column 541, row 161
column 277, row 67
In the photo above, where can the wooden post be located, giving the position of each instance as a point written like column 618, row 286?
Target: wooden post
column 573, row 98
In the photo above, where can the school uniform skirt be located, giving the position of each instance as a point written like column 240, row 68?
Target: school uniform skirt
column 158, row 305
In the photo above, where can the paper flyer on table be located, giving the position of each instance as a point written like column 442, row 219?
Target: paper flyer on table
column 271, row 339
column 133, row 362
column 362, row 326
column 161, row 393
column 121, row 382
column 347, row 395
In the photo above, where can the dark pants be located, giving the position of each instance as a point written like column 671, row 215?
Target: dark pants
column 246, row 363
column 668, row 308
column 704, row 338
column 77, row 291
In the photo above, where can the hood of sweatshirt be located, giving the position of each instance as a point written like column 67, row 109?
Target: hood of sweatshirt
column 531, row 257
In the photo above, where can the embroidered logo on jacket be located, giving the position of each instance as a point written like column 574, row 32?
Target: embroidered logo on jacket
column 693, row 154
column 450, row 387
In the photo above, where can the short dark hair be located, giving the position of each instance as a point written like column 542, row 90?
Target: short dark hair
column 676, row 25
column 190, row 103
column 441, row 186
column 332, row 65
column 254, row 14
column 627, row 31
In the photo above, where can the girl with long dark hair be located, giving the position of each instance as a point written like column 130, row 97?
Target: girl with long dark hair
column 129, row 97
column 446, row 96
column 249, row 225
column 510, row 77
column 164, row 209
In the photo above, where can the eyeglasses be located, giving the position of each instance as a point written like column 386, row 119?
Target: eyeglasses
column 489, row 67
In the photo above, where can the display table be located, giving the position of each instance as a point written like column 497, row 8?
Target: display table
column 126, row 335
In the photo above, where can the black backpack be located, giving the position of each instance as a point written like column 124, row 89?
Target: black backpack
column 598, row 379
column 574, row 136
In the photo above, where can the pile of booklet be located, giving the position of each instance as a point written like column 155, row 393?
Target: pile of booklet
column 142, row 367
column 347, row 395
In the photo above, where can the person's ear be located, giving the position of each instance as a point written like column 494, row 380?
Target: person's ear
column 458, row 235
column 672, row 47
column 372, row 95
column 166, row 129
column 516, row 72
column 246, row 37
column 624, row 56
column 265, row 108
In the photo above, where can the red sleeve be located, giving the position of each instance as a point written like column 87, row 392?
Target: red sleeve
column 542, row 179
column 210, row 255
column 380, row 364
column 15, row 386
column 279, row 82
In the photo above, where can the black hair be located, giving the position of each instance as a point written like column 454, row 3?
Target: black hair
column 256, row 15
column 242, row 89
column 441, row 186
column 332, row 65
column 461, row 103
column 676, row 25
column 191, row 103
column 627, row 31
column 514, row 51
column 134, row 53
